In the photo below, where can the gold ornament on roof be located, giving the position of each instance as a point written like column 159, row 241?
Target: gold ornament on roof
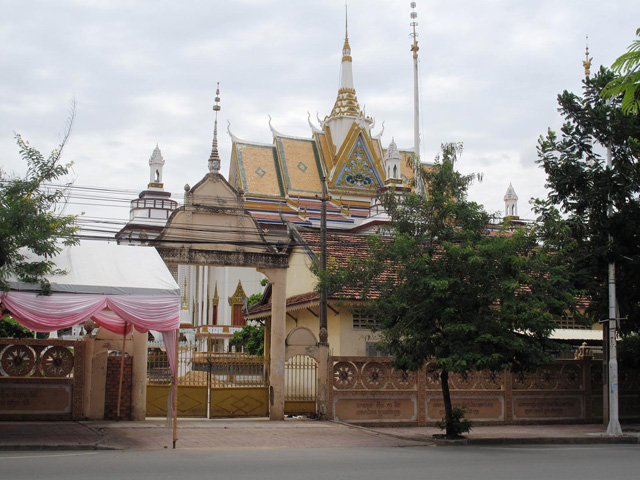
column 586, row 63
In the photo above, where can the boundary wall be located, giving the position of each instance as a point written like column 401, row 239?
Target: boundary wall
column 368, row 390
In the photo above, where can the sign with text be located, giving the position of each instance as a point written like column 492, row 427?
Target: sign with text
column 556, row 408
column 37, row 399
column 375, row 410
column 478, row 408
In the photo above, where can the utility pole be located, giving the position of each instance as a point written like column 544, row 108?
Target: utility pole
column 610, row 329
column 323, row 264
column 613, row 428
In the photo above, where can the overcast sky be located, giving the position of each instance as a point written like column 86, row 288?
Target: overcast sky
column 145, row 72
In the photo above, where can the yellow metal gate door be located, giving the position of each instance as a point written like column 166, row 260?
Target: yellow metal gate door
column 238, row 386
column 193, row 382
column 209, row 384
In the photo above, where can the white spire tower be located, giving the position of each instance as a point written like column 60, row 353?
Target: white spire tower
column 510, row 202
column 156, row 162
column 392, row 163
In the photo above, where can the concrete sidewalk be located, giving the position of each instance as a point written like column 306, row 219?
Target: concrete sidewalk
column 522, row 434
column 152, row 434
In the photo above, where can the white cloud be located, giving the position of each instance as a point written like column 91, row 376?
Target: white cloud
column 145, row 72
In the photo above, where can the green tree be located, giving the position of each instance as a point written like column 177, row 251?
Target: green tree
column 627, row 66
column 582, row 185
column 250, row 338
column 30, row 216
column 441, row 288
column 9, row 328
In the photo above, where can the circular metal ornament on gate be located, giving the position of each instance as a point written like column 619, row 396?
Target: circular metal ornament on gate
column 18, row 361
column 57, row 362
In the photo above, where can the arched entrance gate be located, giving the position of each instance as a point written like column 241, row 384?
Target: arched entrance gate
column 305, row 373
column 213, row 229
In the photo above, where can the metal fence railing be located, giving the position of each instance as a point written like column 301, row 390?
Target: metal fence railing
column 301, row 379
column 197, row 368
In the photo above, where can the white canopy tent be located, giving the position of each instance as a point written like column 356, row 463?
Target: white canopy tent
column 107, row 269
column 116, row 286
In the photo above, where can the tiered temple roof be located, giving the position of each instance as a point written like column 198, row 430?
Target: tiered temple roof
column 283, row 180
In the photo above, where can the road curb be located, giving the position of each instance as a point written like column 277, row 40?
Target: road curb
column 623, row 440
column 422, row 439
column 441, row 442
column 54, row 448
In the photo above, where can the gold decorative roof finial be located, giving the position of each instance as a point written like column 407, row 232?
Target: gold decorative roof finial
column 214, row 158
column 184, row 305
column 586, row 63
column 346, row 49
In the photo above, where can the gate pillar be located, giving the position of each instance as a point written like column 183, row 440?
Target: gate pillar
column 323, row 380
column 278, row 279
column 139, row 386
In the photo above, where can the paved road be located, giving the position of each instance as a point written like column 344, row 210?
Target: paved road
column 370, row 463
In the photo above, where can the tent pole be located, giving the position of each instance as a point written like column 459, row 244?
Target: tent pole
column 174, row 392
column 124, row 341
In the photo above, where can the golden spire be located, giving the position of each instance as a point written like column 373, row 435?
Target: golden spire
column 346, row 49
column 586, row 63
column 347, row 101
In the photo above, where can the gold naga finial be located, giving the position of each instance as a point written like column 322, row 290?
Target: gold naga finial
column 586, row 63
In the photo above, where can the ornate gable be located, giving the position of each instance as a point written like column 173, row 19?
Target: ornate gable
column 358, row 169
column 238, row 296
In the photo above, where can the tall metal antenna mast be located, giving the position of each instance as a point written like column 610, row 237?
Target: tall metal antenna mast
column 416, row 100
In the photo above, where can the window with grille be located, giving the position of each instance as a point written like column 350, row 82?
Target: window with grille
column 362, row 320
column 568, row 321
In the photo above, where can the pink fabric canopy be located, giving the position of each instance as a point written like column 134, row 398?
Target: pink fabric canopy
column 48, row 313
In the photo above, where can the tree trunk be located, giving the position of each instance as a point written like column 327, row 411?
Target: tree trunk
column 448, row 408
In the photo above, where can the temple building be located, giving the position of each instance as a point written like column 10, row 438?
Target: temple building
column 282, row 181
column 281, row 186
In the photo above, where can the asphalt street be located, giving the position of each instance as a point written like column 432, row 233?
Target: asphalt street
column 408, row 463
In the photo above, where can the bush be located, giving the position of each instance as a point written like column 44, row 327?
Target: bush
column 250, row 339
column 459, row 424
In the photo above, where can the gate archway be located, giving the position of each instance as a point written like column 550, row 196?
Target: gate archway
column 307, row 364
column 212, row 228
